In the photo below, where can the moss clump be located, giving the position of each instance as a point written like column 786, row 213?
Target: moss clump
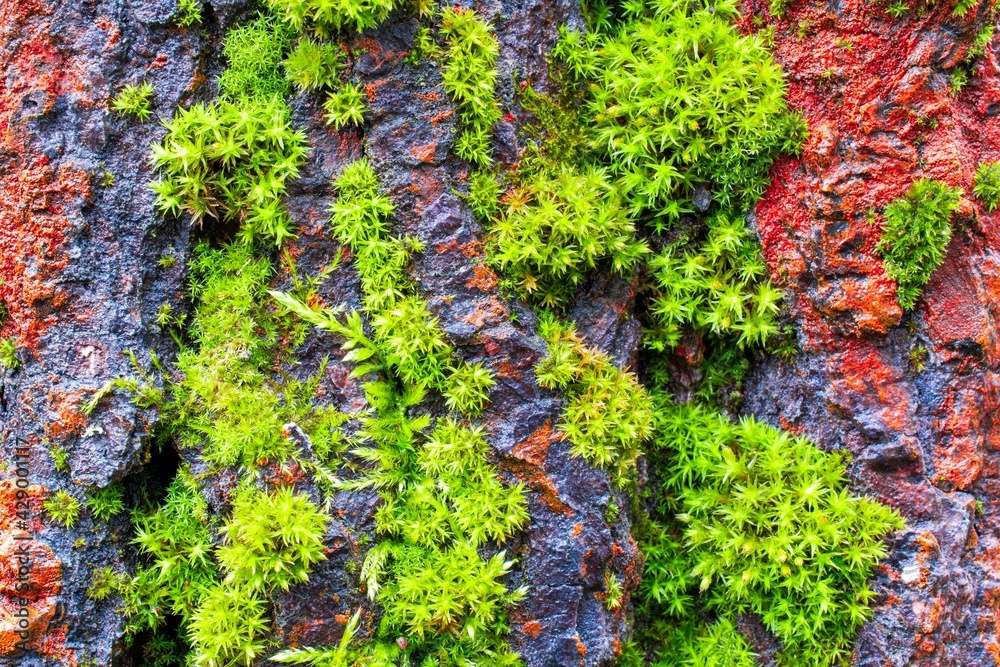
column 409, row 339
column 345, row 106
column 134, row 100
column 8, row 354
column 681, row 98
column 176, row 540
column 272, row 539
column 987, row 187
column 557, row 228
column 718, row 286
column 609, row 414
column 442, row 499
column 227, row 628
column 469, row 76
column 312, row 65
column 231, row 160
column 107, row 502
column 105, row 582
column 325, row 17
column 62, row 508
column 254, row 53
column 915, row 235
column 188, row 12
column 764, row 524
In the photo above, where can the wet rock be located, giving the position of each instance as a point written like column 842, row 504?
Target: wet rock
column 911, row 397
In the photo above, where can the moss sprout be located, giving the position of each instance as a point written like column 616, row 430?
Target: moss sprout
column 987, row 187
column 609, row 414
column 62, row 508
column 134, row 100
column 8, row 354
column 107, row 502
column 345, row 106
column 312, row 65
column 915, row 235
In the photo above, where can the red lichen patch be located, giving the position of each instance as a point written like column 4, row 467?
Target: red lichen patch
column 442, row 116
column 961, row 430
column 427, row 187
column 425, row 153
column 429, row 96
column 483, row 279
column 109, row 26
column 881, row 115
column 508, row 370
column 30, row 574
column 539, row 483
column 535, row 449
column 862, row 380
column 159, row 61
column 581, row 648
column 68, row 421
column 575, row 532
column 283, row 474
column 472, row 249
column 532, row 628
column 35, row 195
column 487, row 312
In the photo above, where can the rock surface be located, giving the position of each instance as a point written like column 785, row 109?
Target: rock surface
column 83, row 282
column 924, row 437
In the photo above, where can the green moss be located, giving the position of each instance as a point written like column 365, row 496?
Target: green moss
column 609, row 414
column 483, row 196
column 188, row 12
column 962, row 7
column 62, row 508
column 915, row 235
column 345, row 106
column 243, row 174
column 409, row 339
column 254, row 53
column 718, row 286
column 134, row 101
column 224, row 401
column 228, row 627
column 441, row 500
column 682, row 98
column 8, row 354
column 325, row 17
column 987, row 188
column 779, row 7
column 313, row 65
column 557, row 228
column 105, row 582
column 176, row 541
column 764, row 524
column 233, row 158
column 107, row 502
column 60, row 457
column 272, row 539
column 469, row 77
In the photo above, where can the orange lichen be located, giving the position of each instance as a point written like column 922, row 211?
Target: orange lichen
column 535, row 449
column 30, row 574
column 483, row 279
column 532, row 628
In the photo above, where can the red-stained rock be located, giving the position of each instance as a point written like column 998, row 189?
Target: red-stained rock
column 881, row 115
